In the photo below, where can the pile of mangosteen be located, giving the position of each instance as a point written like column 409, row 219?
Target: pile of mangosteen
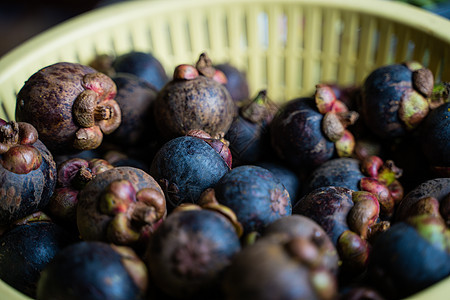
column 118, row 181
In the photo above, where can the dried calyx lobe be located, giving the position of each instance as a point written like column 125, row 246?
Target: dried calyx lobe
column 70, row 105
column 27, row 171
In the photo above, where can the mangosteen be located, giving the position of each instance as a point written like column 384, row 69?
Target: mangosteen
column 194, row 100
column 94, row 270
column 435, row 139
column 343, row 171
column 27, row 171
column 70, row 105
column 27, row 248
column 135, row 97
column 304, row 227
column 279, row 266
column 249, row 132
column 237, row 83
column 371, row 174
column 291, row 181
column 142, row 64
column 394, row 98
column 410, row 256
column 188, row 165
column 308, row 131
column 255, row 195
column 122, row 205
column 189, row 252
column 73, row 175
column 432, row 196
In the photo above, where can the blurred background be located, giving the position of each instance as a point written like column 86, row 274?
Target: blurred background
column 22, row 19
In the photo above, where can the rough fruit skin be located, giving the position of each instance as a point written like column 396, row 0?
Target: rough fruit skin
column 56, row 109
column 296, row 134
column 24, row 194
column 380, row 101
column 435, row 136
column 255, row 195
column 201, row 103
column 343, row 172
column 189, row 251
column 26, row 249
column 189, row 165
column 87, row 270
column 402, row 262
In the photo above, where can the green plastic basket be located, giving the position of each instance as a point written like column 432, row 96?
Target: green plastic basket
column 284, row 46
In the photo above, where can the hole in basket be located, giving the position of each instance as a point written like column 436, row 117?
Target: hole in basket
column 263, row 30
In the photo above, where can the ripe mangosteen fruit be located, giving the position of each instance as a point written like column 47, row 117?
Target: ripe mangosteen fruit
column 27, row 172
column 135, row 97
column 249, row 132
column 308, row 131
column 237, row 83
column 410, row 256
column 122, row 205
column 255, row 195
column 189, row 252
column 142, row 64
column 394, row 98
column 25, row 250
column 193, row 100
column 329, row 207
column 291, row 181
column 94, row 270
column 435, row 138
column 304, row 227
column 432, row 196
column 70, row 105
column 188, row 165
column 279, row 266
column 343, row 171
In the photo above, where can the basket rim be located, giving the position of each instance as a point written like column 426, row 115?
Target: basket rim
column 433, row 24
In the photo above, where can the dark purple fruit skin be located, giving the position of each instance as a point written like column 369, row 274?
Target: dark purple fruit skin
column 57, row 107
column 288, row 178
column 198, row 104
column 297, row 137
column 438, row 188
column 24, row 194
column 190, row 166
column 402, row 262
column 143, row 65
column 135, row 97
column 87, row 270
column 328, row 206
column 237, row 83
column 26, row 249
column 343, row 172
column 249, row 142
column 435, row 136
column 255, row 195
column 380, row 101
column 189, row 251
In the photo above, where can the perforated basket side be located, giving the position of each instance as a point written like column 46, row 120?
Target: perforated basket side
column 284, row 46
